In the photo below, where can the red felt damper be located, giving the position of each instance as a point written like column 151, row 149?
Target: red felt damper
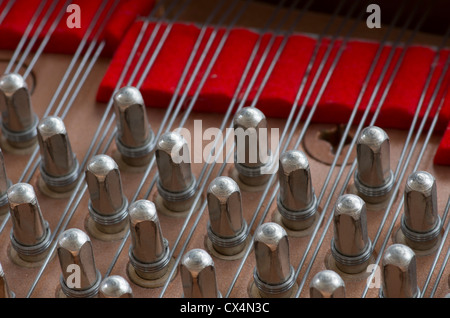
column 64, row 39
column 214, row 89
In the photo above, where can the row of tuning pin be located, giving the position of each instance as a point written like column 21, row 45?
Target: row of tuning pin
column 227, row 230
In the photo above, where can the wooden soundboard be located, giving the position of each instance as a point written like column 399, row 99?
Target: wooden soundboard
column 82, row 122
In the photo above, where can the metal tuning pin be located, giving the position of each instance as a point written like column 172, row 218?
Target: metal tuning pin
column 252, row 158
column 135, row 138
column 107, row 205
column 59, row 166
column 198, row 275
column 351, row 246
column 421, row 224
column 227, row 229
column 373, row 178
column 149, row 251
column 5, row 183
column 5, row 291
column 297, row 202
column 80, row 277
column 18, row 119
column 399, row 273
column 115, row 286
column 30, row 233
column 176, row 183
column 327, row 284
column 273, row 274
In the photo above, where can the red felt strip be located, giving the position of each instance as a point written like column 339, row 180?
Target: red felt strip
column 66, row 40
column 336, row 101
column 442, row 156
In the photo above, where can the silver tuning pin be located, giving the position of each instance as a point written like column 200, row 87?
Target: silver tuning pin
column 5, row 291
column 252, row 158
column 227, row 229
column 373, row 178
column 5, row 183
column 80, row 277
column 107, row 204
column 30, row 233
column 149, row 252
column 198, row 275
column 176, row 183
column 273, row 275
column 115, row 286
column 59, row 166
column 18, row 119
column 399, row 273
column 351, row 246
column 297, row 202
column 135, row 138
column 327, row 284
column 421, row 224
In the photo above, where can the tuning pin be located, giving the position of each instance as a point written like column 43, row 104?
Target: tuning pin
column 59, row 165
column 399, row 273
column 351, row 246
column 252, row 158
column 80, row 277
column 30, row 234
column 227, row 228
column 273, row 275
column 297, row 202
column 115, row 286
column 135, row 138
column 18, row 119
column 421, row 224
column 107, row 205
column 149, row 252
column 5, row 292
column 5, row 183
column 327, row 284
column 373, row 178
column 198, row 275
column 176, row 184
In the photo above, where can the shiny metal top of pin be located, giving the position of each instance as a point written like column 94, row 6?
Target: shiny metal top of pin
column 59, row 166
column 420, row 181
column 142, row 210
column 50, row 126
column 222, row 188
column 293, row 160
column 21, row 193
column 198, row 275
column 350, row 225
column 75, row 253
column 101, row 165
column 73, row 240
column 249, row 117
column 18, row 119
column 373, row 156
column 10, row 83
column 399, row 272
column 196, row 260
column 349, row 204
column 174, row 166
column 327, row 284
column 135, row 137
column 115, row 286
column 128, row 96
column 421, row 223
column 296, row 189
